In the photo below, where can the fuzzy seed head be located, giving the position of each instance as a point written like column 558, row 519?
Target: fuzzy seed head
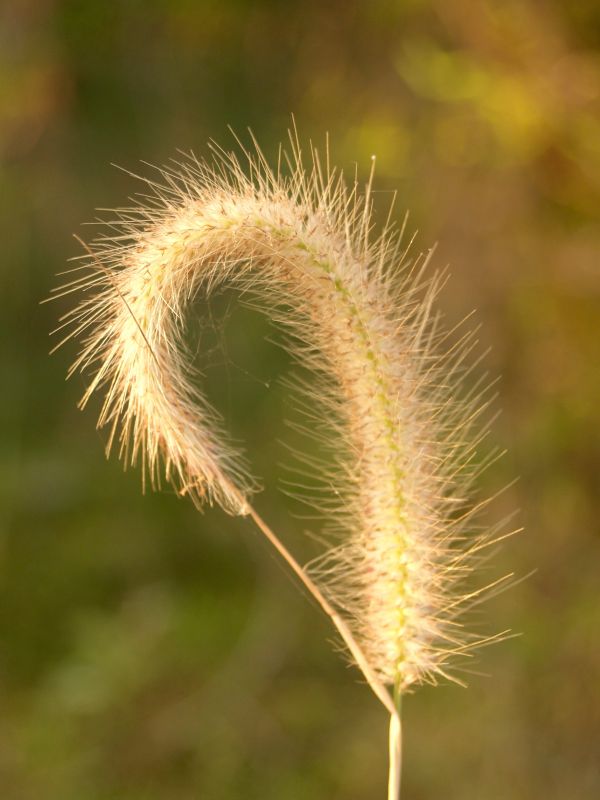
column 386, row 390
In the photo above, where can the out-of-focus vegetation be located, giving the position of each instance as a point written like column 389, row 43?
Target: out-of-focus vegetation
column 150, row 652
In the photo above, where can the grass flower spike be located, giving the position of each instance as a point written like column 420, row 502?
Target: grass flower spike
column 358, row 314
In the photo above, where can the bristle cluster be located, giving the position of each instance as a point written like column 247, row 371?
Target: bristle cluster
column 359, row 315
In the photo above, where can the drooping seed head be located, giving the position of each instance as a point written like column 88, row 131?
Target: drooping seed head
column 386, row 383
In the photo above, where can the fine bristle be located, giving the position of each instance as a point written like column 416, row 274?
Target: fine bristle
column 402, row 436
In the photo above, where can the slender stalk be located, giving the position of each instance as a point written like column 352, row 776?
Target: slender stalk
column 378, row 688
column 395, row 757
column 395, row 748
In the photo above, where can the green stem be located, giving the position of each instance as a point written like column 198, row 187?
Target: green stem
column 395, row 748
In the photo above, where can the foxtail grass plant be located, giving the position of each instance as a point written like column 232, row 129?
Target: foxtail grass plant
column 403, row 431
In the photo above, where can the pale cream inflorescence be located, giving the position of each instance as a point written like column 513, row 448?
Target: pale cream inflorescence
column 360, row 317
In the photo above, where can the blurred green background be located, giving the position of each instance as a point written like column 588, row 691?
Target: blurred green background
column 149, row 652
